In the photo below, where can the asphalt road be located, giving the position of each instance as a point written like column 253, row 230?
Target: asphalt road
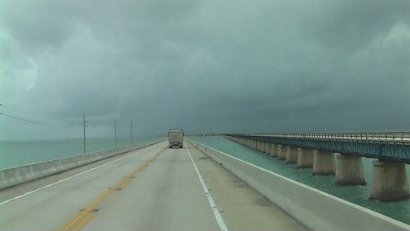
column 154, row 188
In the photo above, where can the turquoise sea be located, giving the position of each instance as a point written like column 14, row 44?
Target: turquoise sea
column 356, row 194
column 19, row 153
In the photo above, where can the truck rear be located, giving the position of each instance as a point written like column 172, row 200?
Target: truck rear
column 176, row 138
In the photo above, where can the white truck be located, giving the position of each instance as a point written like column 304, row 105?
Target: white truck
column 176, row 138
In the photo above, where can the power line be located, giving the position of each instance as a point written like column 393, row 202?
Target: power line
column 19, row 118
column 7, row 107
column 37, row 119
column 37, row 122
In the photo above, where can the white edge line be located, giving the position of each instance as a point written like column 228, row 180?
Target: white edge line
column 217, row 214
column 60, row 181
column 348, row 203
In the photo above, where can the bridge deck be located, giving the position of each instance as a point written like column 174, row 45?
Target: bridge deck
column 368, row 146
column 150, row 189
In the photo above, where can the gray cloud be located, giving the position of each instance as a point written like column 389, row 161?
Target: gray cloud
column 223, row 66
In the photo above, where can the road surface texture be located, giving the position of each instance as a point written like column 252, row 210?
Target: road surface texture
column 154, row 188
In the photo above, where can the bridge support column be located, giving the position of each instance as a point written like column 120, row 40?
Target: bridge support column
column 291, row 155
column 262, row 146
column 389, row 181
column 267, row 148
column 273, row 150
column 305, row 158
column 349, row 170
column 323, row 163
column 281, row 153
column 259, row 145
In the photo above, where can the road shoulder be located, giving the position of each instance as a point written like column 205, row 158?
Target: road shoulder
column 242, row 207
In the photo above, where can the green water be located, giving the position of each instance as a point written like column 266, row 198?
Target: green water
column 18, row 153
column 355, row 194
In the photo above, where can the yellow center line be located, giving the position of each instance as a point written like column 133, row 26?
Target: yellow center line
column 87, row 218
column 86, row 215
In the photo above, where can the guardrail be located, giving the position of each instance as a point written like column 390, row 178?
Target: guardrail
column 394, row 146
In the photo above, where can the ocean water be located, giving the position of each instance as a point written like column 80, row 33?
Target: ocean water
column 356, row 194
column 19, row 153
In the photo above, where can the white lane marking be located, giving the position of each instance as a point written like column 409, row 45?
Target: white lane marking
column 59, row 181
column 217, row 214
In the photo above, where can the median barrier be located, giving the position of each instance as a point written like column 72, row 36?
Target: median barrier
column 18, row 175
column 315, row 209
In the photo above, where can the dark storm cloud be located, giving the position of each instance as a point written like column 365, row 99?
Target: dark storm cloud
column 357, row 23
column 207, row 65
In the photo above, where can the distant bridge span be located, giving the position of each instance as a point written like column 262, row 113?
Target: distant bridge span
column 317, row 151
column 394, row 146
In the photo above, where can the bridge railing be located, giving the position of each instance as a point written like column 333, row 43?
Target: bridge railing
column 393, row 146
column 387, row 137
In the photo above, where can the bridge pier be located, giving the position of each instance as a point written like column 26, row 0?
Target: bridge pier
column 323, row 163
column 305, row 158
column 273, row 150
column 389, row 181
column 259, row 147
column 349, row 170
column 263, row 146
column 267, row 148
column 291, row 155
column 281, row 153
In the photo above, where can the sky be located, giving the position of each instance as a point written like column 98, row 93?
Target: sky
column 222, row 66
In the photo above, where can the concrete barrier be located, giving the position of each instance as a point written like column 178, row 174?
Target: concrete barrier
column 315, row 209
column 18, row 175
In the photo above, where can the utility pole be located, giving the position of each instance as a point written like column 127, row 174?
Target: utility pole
column 132, row 138
column 115, row 132
column 84, row 125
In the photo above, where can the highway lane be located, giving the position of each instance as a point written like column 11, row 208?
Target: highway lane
column 154, row 188
column 50, row 208
column 167, row 196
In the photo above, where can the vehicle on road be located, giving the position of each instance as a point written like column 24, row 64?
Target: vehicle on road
column 176, row 138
